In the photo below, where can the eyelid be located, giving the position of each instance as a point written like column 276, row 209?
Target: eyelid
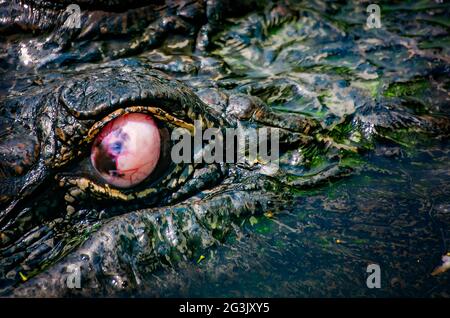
column 103, row 191
column 156, row 112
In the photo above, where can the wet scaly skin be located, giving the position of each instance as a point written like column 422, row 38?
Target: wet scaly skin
column 311, row 69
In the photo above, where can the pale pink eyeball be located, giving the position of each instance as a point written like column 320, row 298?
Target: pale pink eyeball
column 127, row 150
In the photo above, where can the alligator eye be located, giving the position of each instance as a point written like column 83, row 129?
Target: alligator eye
column 127, row 150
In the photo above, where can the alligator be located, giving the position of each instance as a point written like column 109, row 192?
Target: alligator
column 333, row 88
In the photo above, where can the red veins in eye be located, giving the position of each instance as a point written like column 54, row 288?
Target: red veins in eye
column 127, row 149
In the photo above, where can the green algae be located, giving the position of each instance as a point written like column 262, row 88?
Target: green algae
column 412, row 88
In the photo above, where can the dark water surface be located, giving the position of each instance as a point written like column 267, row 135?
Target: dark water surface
column 395, row 213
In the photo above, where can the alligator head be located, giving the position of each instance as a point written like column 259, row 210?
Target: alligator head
column 288, row 66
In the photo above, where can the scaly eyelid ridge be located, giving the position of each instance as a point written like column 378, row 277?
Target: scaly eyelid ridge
column 156, row 112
